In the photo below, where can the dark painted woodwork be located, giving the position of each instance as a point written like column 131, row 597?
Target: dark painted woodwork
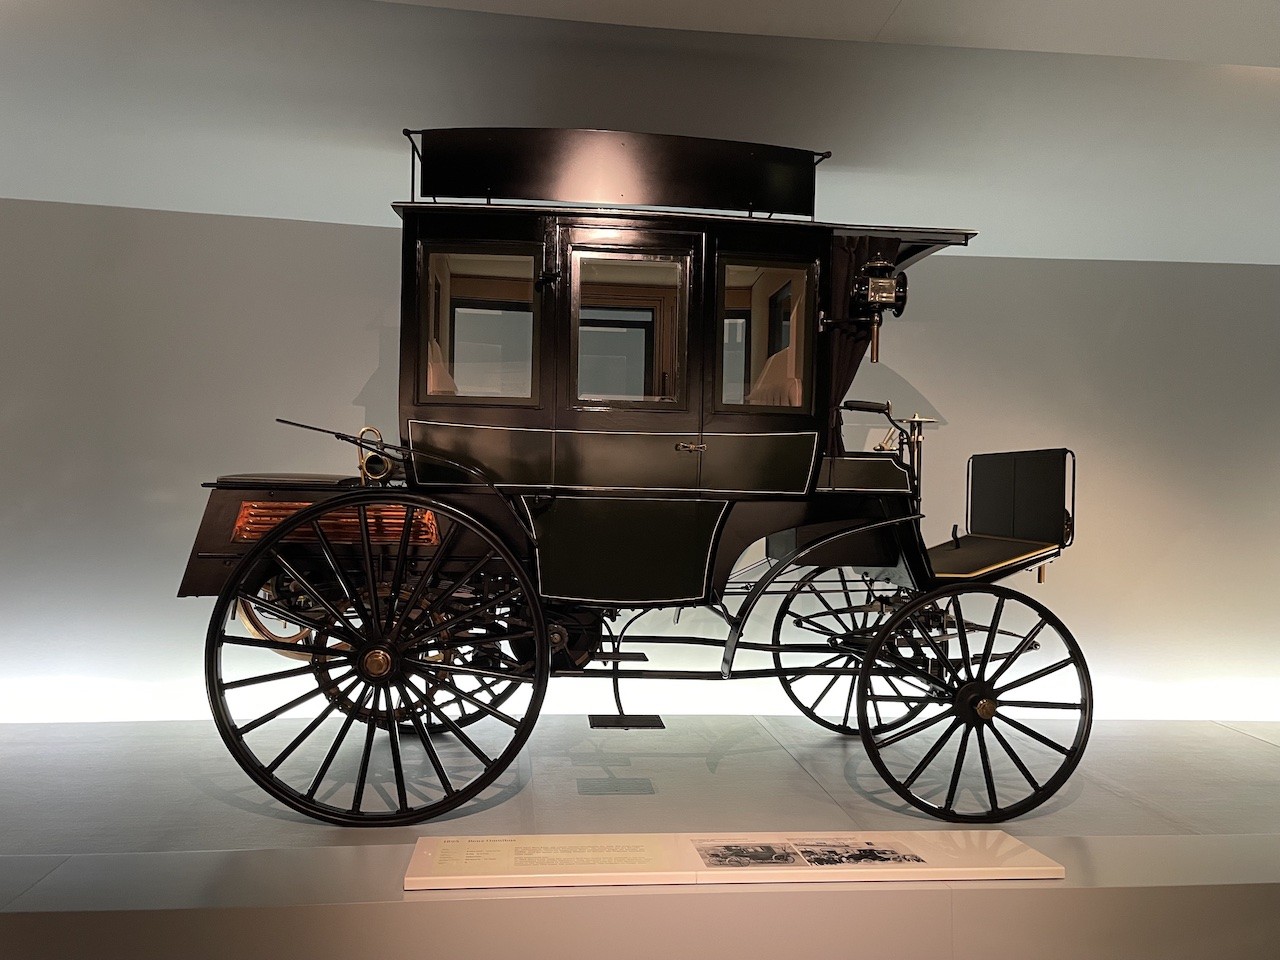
column 505, row 455
column 868, row 472
column 1021, row 495
column 625, row 551
column 613, row 168
column 644, row 461
column 758, row 463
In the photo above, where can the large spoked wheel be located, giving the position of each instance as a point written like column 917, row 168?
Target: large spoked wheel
column 999, row 698
column 826, row 622
column 413, row 622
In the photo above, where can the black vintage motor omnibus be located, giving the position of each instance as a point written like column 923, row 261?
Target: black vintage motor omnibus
column 624, row 361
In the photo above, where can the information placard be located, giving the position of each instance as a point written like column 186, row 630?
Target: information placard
column 452, row 863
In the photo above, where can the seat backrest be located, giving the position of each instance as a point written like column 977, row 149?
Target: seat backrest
column 1023, row 494
column 439, row 380
column 777, row 386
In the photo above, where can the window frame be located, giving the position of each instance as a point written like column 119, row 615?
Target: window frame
column 806, row 364
column 680, row 304
column 430, row 302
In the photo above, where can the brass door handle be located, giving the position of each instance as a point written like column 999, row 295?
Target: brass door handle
column 691, row 447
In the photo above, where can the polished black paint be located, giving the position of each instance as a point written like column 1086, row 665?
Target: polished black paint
column 614, row 169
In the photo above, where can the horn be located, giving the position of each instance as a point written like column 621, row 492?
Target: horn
column 373, row 466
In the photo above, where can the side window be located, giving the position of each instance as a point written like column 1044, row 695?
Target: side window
column 765, row 334
column 629, row 327
column 479, row 326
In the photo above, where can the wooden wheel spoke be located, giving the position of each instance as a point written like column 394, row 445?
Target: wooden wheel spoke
column 914, row 729
column 397, row 575
column 316, row 595
column 457, row 584
column 1042, row 704
column 956, row 772
column 1017, row 760
column 825, row 690
column 310, row 728
column 830, row 609
column 932, row 753
column 962, row 636
column 335, row 746
column 986, row 769
column 331, row 558
column 457, row 731
column 471, row 671
column 286, row 646
column 366, row 548
column 295, row 702
column 463, row 695
column 1035, row 735
column 417, row 638
column 884, row 659
column 989, row 647
column 848, row 700
column 443, row 549
column 268, row 677
column 1023, row 646
column 288, row 616
column 371, row 728
column 425, row 739
column 1037, row 675
column 937, row 651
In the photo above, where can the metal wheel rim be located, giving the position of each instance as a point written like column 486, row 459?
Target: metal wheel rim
column 257, row 767
column 986, row 744
column 853, row 661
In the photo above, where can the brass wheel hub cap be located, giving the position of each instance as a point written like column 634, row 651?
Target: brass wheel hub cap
column 376, row 663
column 985, row 708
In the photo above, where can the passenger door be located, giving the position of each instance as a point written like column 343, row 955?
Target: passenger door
column 629, row 394
column 760, row 432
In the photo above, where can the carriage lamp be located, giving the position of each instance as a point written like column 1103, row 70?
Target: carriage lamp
column 878, row 288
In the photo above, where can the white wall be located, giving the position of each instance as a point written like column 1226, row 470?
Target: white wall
column 293, row 109
column 146, row 352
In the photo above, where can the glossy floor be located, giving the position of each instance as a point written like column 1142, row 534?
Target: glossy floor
column 165, row 786
column 150, row 833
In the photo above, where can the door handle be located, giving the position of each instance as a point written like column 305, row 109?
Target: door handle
column 691, row 447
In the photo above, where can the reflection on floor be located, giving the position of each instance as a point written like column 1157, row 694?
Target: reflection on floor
column 141, row 794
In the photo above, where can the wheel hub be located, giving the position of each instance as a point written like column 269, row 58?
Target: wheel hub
column 976, row 702
column 377, row 663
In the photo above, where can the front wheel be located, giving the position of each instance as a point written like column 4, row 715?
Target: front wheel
column 999, row 699
column 413, row 622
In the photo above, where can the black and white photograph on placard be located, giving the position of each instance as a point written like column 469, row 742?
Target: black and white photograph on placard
column 843, row 852
column 748, row 854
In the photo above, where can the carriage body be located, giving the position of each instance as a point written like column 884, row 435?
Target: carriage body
column 612, row 385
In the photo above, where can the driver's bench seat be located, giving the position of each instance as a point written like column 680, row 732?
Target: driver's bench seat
column 1019, row 515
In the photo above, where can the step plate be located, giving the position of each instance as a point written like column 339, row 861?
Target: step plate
column 632, row 721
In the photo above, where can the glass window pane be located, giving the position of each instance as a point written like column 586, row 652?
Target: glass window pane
column 480, row 326
column 764, row 360
column 630, row 327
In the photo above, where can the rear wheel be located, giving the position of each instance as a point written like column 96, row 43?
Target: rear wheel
column 425, row 659
column 999, row 698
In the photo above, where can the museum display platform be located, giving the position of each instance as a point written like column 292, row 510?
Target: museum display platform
column 145, row 840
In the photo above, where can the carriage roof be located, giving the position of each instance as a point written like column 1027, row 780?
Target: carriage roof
column 607, row 172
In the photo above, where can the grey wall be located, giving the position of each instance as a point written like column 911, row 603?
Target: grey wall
column 293, row 108
column 150, row 337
